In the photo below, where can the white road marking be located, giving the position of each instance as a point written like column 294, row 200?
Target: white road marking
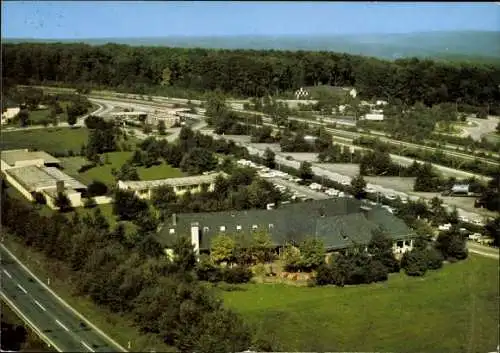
column 61, row 324
column 21, row 288
column 40, row 305
column 87, row 346
column 8, row 274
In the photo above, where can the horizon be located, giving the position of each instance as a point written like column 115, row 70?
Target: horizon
column 70, row 20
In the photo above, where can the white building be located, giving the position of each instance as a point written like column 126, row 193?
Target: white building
column 374, row 117
column 9, row 114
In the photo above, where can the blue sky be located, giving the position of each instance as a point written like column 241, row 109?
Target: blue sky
column 87, row 19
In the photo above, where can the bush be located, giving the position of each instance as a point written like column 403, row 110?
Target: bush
column 206, row 271
column 39, row 198
column 237, row 275
column 434, row 259
column 89, row 203
column 325, row 274
column 378, row 272
column 415, row 262
column 85, row 167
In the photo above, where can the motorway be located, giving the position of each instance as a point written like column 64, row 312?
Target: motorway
column 48, row 315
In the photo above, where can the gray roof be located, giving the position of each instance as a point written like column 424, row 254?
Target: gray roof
column 338, row 222
column 183, row 181
column 34, row 178
column 12, row 156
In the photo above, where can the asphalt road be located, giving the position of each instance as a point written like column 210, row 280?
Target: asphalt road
column 48, row 315
column 482, row 250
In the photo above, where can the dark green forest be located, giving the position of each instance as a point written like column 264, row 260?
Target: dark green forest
column 247, row 73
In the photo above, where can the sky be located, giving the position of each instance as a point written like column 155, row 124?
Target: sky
column 113, row 19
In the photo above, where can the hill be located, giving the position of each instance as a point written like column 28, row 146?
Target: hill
column 469, row 45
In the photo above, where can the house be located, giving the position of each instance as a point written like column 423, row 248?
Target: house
column 143, row 189
column 339, row 223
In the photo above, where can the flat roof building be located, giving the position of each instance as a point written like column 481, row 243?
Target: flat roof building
column 143, row 189
column 25, row 157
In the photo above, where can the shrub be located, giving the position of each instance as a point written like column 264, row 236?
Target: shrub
column 325, row 274
column 236, row 275
column 89, row 203
column 206, row 271
column 434, row 259
column 415, row 263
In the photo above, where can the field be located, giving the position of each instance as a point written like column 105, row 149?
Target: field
column 116, row 160
column 454, row 309
column 52, row 140
column 493, row 137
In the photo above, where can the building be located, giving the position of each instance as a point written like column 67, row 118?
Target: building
column 33, row 172
column 374, row 117
column 9, row 114
column 143, row 189
column 48, row 181
column 339, row 223
column 24, row 157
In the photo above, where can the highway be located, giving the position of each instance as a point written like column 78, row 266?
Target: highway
column 48, row 315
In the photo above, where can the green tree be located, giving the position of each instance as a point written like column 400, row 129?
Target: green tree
column 89, row 203
column 62, row 202
column 305, row 171
column 127, row 205
column 163, row 198
column 380, row 247
column 198, row 160
column 162, row 128
column 222, row 248
column 358, row 185
column 312, row 253
column 414, row 263
column 262, row 246
column 269, row 158
column 24, row 117
column 452, row 244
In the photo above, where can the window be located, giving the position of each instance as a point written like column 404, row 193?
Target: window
column 406, row 243
column 271, row 226
column 238, row 227
column 222, row 228
column 172, row 231
column 399, row 244
column 206, row 229
column 254, row 227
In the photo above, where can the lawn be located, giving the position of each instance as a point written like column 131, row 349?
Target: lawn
column 451, row 310
column 116, row 160
column 51, row 140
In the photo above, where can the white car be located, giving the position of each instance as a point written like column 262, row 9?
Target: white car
column 446, row 226
column 475, row 236
column 390, row 197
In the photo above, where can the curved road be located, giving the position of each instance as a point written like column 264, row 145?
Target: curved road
column 48, row 315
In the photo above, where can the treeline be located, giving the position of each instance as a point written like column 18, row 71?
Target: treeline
column 249, row 72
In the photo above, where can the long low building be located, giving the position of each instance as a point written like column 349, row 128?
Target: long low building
column 33, row 172
column 339, row 223
column 144, row 189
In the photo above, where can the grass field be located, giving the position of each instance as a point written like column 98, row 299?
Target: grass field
column 51, row 140
column 116, row 326
column 454, row 309
column 116, row 160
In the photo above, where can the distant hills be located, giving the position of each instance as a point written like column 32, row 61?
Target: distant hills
column 464, row 45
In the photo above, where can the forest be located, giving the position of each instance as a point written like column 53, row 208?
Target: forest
column 249, row 73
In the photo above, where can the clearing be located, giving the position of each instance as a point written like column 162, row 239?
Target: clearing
column 116, row 160
column 454, row 309
column 55, row 140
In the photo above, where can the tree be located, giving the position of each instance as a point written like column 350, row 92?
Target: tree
column 128, row 206
column 414, row 263
column 162, row 128
column 498, row 128
column 198, row 160
column 380, row 247
column 127, row 172
column 262, row 246
column 97, row 188
column 452, row 244
column 222, row 249
column 358, row 185
column 72, row 115
column 24, row 117
column 305, row 171
column 492, row 229
column 62, row 202
column 163, row 197
column 39, row 198
column 269, row 158
column 312, row 253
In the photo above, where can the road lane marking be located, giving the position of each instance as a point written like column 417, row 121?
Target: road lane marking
column 87, row 346
column 8, row 274
column 21, row 288
column 40, row 305
column 61, row 324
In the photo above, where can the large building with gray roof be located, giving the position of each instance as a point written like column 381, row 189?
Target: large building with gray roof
column 339, row 223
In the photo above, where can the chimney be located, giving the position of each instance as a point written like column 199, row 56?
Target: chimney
column 174, row 219
column 195, row 237
column 60, row 186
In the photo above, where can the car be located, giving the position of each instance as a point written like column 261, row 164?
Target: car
column 390, row 197
column 475, row 236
